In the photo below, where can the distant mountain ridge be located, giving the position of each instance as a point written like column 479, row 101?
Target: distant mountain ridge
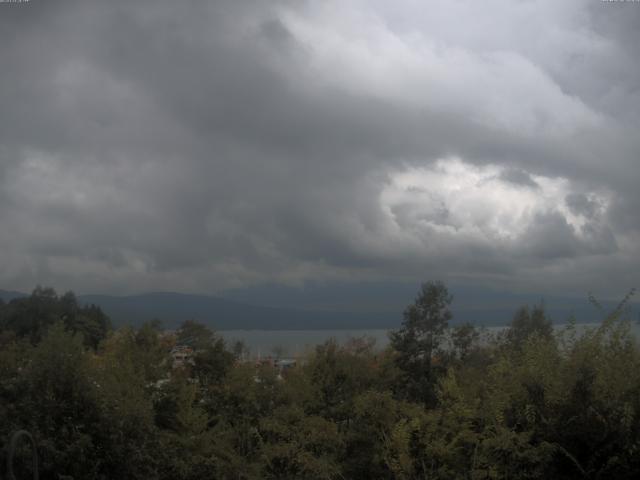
column 473, row 304
column 222, row 314
column 320, row 308
column 8, row 295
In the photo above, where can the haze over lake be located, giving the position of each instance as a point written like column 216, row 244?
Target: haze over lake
column 298, row 342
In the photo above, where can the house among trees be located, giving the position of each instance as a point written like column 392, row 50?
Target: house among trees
column 284, row 364
column 182, row 355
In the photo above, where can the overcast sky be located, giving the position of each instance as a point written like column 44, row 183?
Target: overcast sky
column 196, row 146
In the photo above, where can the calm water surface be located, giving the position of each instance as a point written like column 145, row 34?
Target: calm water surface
column 297, row 342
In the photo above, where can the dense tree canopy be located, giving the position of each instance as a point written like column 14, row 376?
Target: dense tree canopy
column 531, row 403
column 527, row 322
column 32, row 316
column 420, row 339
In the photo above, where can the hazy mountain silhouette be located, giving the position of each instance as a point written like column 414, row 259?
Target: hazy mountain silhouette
column 477, row 305
column 8, row 295
column 315, row 307
column 223, row 314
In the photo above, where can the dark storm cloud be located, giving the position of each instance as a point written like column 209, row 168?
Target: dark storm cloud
column 163, row 145
column 551, row 237
column 580, row 204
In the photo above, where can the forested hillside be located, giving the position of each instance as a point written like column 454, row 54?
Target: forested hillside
column 439, row 403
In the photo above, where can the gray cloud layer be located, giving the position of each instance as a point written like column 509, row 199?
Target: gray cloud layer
column 204, row 145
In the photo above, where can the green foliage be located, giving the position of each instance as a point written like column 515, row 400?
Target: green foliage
column 296, row 445
column 211, row 364
column 337, row 374
column 32, row 316
column 194, row 334
column 379, row 439
column 526, row 323
column 464, row 339
column 419, row 340
column 436, row 404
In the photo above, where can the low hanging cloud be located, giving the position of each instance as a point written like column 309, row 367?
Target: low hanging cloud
column 156, row 145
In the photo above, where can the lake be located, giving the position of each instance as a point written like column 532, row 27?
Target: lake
column 297, row 342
